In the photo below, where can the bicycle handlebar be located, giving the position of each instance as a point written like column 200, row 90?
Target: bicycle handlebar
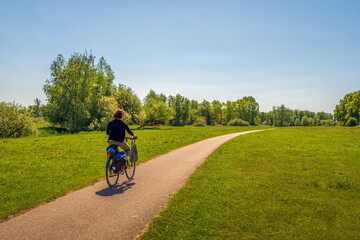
column 132, row 138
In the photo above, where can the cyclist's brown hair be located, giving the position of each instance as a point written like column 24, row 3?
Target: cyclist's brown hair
column 118, row 113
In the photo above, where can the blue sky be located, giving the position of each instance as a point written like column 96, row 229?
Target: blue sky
column 304, row 54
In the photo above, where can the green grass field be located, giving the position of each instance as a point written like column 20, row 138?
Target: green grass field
column 288, row 183
column 37, row 169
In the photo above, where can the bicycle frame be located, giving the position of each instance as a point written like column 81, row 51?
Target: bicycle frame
column 107, row 162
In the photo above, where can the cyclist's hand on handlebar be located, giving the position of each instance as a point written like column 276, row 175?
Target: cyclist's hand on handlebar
column 135, row 137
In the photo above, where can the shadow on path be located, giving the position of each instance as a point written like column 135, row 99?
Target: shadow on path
column 119, row 189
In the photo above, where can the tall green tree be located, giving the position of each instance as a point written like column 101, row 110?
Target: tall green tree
column 181, row 106
column 37, row 107
column 204, row 110
column 229, row 111
column 156, row 110
column 348, row 110
column 193, row 112
column 176, row 104
column 107, row 107
column 283, row 116
column 75, row 88
column 129, row 102
column 247, row 109
column 216, row 112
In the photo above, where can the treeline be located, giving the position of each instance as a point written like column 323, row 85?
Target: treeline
column 283, row 116
column 184, row 111
column 82, row 96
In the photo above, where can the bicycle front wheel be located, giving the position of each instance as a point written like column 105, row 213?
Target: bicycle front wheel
column 130, row 170
column 111, row 176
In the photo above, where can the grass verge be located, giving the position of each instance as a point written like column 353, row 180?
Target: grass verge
column 38, row 169
column 290, row 183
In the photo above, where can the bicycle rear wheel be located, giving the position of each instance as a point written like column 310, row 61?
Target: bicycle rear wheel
column 111, row 176
column 130, row 169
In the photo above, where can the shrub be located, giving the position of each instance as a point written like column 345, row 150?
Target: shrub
column 267, row 122
column 352, row 122
column 317, row 121
column 257, row 121
column 329, row 123
column 15, row 121
column 238, row 122
column 305, row 121
column 200, row 122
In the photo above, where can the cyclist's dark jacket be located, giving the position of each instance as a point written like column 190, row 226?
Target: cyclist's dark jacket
column 116, row 130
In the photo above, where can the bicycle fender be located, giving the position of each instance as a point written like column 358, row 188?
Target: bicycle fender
column 107, row 162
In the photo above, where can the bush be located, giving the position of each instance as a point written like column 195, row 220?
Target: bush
column 329, row 123
column 257, row 121
column 352, row 122
column 200, row 122
column 305, row 121
column 267, row 122
column 238, row 122
column 15, row 121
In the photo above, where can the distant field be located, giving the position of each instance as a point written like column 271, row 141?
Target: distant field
column 289, row 183
column 38, row 169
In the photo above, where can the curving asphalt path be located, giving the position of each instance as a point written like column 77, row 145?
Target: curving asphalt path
column 98, row 212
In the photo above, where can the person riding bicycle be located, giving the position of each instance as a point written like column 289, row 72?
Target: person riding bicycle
column 116, row 131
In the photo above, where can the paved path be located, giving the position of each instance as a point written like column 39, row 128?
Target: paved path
column 97, row 212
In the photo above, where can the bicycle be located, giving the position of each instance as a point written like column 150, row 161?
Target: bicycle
column 112, row 174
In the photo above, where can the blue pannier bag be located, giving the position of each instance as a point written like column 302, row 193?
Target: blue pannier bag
column 120, row 155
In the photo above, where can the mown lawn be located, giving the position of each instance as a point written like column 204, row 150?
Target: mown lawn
column 288, row 183
column 37, row 169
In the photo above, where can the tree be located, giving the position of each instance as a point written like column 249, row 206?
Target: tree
column 153, row 95
column 129, row 102
column 216, row 111
column 305, row 121
column 248, row 108
column 177, row 103
column 317, row 121
column 36, row 110
column 185, row 112
column 107, row 106
column 37, row 107
column 193, row 112
column 229, row 111
column 156, row 110
column 204, row 110
column 348, row 108
column 75, row 88
column 283, row 116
